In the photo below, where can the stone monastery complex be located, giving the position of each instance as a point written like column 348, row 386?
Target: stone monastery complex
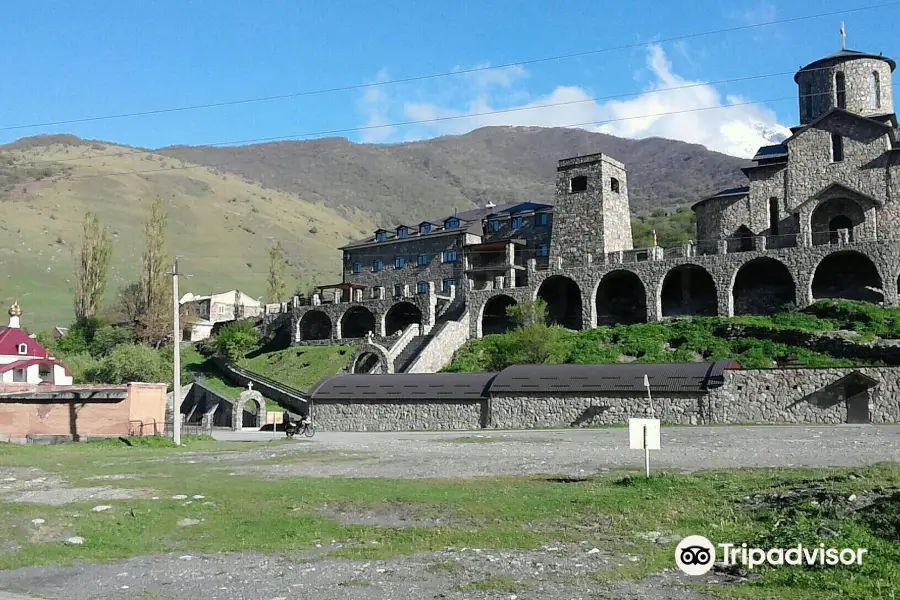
column 817, row 219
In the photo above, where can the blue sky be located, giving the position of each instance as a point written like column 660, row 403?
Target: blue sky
column 68, row 60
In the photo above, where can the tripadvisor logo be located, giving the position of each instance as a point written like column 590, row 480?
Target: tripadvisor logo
column 696, row 555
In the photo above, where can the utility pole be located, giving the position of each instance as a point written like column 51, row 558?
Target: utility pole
column 176, row 369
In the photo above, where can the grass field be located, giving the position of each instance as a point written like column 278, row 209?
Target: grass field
column 300, row 367
column 219, row 224
column 274, row 515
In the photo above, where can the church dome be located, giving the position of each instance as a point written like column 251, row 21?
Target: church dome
column 14, row 310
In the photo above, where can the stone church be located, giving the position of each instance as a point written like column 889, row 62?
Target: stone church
column 817, row 219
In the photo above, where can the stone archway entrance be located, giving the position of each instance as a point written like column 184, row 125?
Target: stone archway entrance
column 494, row 318
column 621, row 298
column 314, row 325
column 563, row 298
column 357, row 322
column 370, row 359
column 400, row 316
column 249, row 410
column 689, row 290
column 833, row 215
column 762, row 286
column 847, row 275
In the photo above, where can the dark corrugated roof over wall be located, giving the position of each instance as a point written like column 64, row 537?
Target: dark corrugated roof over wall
column 689, row 378
column 426, row 386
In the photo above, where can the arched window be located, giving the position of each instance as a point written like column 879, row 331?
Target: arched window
column 837, row 148
column 875, row 92
column 807, row 100
column 773, row 216
column 840, row 90
column 614, row 184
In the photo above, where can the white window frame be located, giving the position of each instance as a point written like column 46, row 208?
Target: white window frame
column 23, row 349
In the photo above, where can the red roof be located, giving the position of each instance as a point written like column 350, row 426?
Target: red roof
column 10, row 340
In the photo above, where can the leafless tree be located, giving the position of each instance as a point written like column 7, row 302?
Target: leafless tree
column 155, row 316
column 277, row 286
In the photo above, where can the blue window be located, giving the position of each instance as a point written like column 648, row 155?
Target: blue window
column 450, row 256
column 448, row 283
column 422, row 288
column 399, row 262
column 425, row 228
column 357, row 267
column 542, row 250
column 423, row 260
column 377, row 266
column 398, row 291
column 494, row 225
column 451, row 223
column 517, row 222
column 540, row 219
column 380, row 236
column 401, row 232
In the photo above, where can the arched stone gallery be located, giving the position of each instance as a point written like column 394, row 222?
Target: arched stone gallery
column 762, row 286
column 357, row 322
column 621, row 298
column 688, row 290
column 848, row 275
column 400, row 316
column 315, row 325
column 563, row 298
column 494, row 318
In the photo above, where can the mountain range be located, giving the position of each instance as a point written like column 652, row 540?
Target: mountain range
column 228, row 205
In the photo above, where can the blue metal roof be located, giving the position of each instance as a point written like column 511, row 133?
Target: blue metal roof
column 770, row 151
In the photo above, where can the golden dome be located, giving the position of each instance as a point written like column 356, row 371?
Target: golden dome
column 14, row 310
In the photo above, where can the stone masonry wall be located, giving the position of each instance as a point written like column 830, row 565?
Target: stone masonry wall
column 399, row 415
column 857, row 77
column 801, row 396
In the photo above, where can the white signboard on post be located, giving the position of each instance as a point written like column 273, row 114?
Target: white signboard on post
column 636, row 431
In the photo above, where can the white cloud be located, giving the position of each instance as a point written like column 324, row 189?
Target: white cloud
column 375, row 105
column 670, row 106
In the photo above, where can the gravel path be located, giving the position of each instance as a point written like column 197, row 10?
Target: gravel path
column 564, row 572
column 580, row 451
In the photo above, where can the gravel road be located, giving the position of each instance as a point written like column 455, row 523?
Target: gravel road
column 580, row 451
column 554, row 572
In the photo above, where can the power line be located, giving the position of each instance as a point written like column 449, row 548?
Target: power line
column 446, row 73
column 584, row 124
column 315, row 134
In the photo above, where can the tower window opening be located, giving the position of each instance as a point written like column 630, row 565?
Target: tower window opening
column 807, row 100
column 837, row 148
column 875, row 93
column 840, row 90
column 773, row 215
column 578, row 184
column 614, row 184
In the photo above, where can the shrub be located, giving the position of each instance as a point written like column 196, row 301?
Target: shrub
column 133, row 362
column 235, row 340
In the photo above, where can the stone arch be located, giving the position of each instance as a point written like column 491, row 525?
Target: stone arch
column 848, row 275
column 357, row 322
column 241, row 418
column 400, row 316
column 741, row 240
column 315, row 325
column 493, row 314
column 688, row 290
column 834, row 214
column 762, row 286
column 563, row 298
column 370, row 358
column 621, row 297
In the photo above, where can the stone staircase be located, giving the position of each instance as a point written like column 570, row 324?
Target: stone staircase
column 412, row 350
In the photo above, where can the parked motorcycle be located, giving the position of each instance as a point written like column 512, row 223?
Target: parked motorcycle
column 304, row 426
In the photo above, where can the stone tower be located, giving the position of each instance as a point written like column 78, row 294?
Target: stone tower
column 591, row 214
column 856, row 81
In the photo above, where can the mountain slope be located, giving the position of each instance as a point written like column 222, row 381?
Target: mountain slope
column 412, row 181
column 220, row 225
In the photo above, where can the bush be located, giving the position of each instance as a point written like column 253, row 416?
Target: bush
column 134, row 362
column 106, row 338
column 84, row 368
column 236, row 340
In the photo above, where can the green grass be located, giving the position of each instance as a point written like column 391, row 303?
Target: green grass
column 300, row 367
column 501, row 583
column 696, row 339
column 281, row 515
column 194, row 362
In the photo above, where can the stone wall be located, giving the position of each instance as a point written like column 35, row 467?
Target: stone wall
column 548, row 410
column 819, row 84
column 399, row 416
column 806, row 396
